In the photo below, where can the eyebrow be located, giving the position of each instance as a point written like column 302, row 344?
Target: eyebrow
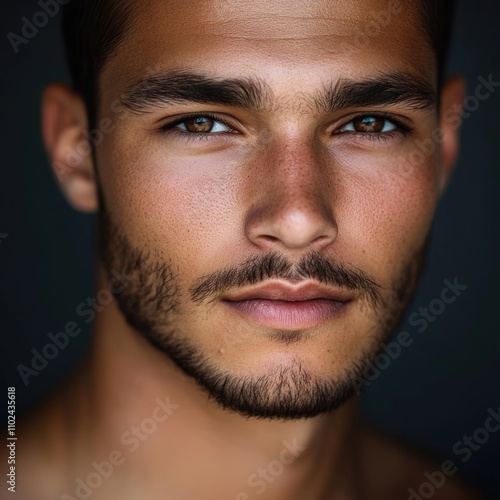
column 383, row 90
column 181, row 87
column 177, row 87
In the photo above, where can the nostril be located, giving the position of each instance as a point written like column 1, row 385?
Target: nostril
column 270, row 239
column 322, row 239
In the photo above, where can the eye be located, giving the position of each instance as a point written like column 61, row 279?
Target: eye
column 369, row 125
column 201, row 124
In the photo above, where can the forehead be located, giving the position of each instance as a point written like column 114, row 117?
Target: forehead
column 290, row 41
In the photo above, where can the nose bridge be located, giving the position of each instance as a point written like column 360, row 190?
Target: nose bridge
column 292, row 205
column 295, row 173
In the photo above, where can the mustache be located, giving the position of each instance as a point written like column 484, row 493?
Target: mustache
column 274, row 265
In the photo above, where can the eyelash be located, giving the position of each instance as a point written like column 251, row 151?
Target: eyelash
column 402, row 129
column 169, row 128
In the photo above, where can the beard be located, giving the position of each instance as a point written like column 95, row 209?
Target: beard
column 152, row 305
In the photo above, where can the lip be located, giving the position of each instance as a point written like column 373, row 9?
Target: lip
column 284, row 306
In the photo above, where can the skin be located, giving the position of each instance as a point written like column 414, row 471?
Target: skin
column 289, row 179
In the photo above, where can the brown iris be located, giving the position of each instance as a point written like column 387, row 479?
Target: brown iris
column 368, row 124
column 199, row 124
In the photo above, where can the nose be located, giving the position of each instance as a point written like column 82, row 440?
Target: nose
column 292, row 205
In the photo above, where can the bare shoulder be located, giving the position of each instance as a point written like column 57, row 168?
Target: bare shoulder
column 393, row 470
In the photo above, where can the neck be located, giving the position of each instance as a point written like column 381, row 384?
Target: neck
column 161, row 433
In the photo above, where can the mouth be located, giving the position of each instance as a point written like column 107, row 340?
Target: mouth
column 288, row 307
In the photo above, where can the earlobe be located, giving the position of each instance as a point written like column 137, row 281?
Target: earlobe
column 452, row 99
column 64, row 121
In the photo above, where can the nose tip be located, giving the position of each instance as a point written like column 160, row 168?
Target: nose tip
column 292, row 228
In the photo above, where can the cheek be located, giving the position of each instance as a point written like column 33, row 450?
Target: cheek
column 388, row 214
column 180, row 209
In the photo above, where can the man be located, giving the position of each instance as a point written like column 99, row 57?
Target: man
column 263, row 212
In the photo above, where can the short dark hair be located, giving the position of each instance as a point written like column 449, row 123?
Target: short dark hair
column 438, row 19
column 93, row 29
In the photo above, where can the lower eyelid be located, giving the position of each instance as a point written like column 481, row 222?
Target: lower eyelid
column 381, row 136
column 194, row 136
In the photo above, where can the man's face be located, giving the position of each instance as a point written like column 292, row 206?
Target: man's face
column 296, row 177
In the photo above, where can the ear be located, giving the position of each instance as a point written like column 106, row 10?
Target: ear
column 64, row 123
column 450, row 121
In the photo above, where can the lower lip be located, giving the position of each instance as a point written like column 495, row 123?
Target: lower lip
column 285, row 314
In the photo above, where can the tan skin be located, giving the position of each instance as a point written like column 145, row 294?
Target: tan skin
column 330, row 189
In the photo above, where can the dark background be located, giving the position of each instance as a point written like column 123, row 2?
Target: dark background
column 438, row 390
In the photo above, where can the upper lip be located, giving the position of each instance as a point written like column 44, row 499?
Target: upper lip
column 289, row 292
